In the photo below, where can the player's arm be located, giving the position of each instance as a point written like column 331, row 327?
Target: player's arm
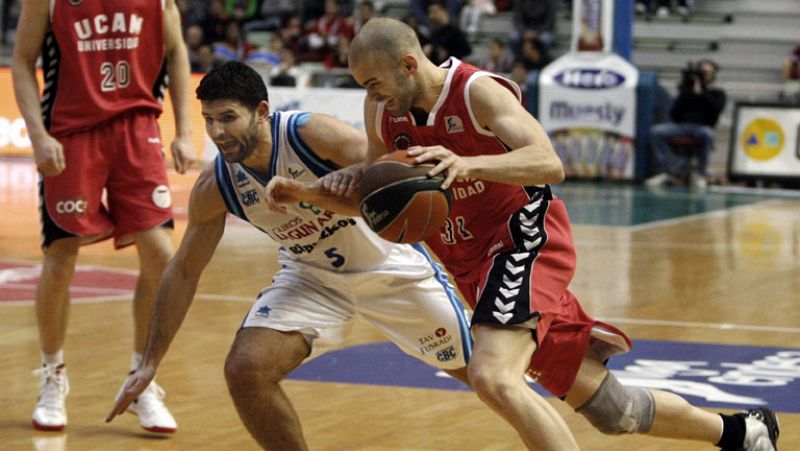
column 532, row 159
column 178, row 71
column 178, row 284
column 31, row 29
column 335, row 141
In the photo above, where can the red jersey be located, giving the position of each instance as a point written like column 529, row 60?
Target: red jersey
column 101, row 58
column 477, row 225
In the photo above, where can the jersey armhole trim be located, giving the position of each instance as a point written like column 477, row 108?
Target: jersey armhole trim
column 317, row 165
column 378, row 121
column 510, row 85
column 225, row 186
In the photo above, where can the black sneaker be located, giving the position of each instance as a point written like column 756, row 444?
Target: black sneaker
column 762, row 430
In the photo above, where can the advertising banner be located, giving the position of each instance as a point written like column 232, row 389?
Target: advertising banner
column 765, row 142
column 587, row 104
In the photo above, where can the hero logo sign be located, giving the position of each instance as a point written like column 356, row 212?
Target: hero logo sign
column 589, row 78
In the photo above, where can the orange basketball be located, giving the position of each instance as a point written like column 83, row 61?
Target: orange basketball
column 400, row 202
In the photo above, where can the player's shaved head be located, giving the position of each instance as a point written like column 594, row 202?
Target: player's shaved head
column 384, row 38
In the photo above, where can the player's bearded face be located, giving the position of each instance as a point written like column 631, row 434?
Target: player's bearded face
column 246, row 143
column 402, row 99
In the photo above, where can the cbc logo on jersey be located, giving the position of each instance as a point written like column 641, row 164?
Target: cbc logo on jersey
column 76, row 206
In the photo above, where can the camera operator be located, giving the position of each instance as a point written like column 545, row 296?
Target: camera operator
column 694, row 115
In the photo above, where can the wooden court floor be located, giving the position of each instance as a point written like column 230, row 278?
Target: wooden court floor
column 728, row 276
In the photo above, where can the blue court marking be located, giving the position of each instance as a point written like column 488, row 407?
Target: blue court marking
column 606, row 204
column 707, row 375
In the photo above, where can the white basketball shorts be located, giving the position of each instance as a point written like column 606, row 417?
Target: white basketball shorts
column 407, row 298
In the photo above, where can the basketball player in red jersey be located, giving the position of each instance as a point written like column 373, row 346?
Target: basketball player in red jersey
column 507, row 242
column 105, row 65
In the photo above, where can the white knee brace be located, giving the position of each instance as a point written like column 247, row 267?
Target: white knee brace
column 616, row 409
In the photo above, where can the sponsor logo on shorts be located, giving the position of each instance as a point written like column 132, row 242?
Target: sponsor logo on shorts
column 430, row 343
column 75, row 2
column 72, row 206
column 446, row 354
column 162, row 197
column 155, row 140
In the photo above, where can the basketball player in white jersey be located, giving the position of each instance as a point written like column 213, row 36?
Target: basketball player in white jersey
column 332, row 266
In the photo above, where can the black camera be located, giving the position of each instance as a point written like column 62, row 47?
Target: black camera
column 690, row 75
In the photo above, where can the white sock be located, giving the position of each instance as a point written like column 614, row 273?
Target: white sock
column 136, row 359
column 53, row 359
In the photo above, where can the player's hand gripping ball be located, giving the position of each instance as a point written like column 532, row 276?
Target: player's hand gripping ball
column 400, row 202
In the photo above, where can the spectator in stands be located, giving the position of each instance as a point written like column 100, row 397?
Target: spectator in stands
column 234, row 47
column 193, row 36
column 519, row 74
column 328, row 29
column 472, row 13
column 499, row 59
column 337, row 58
column 533, row 19
column 446, row 38
column 292, row 34
column 287, row 73
column 273, row 15
column 694, row 115
column 422, row 36
column 215, row 22
column 419, row 9
column 265, row 58
column 242, row 10
column 366, row 11
column 791, row 66
column 663, row 8
column 534, row 54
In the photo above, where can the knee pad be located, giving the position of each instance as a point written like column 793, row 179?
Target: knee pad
column 616, row 409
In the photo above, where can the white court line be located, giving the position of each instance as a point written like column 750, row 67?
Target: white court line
column 648, row 322
column 698, row 325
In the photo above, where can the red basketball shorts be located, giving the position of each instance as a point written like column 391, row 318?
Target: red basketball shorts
column 527, row 285
column 115, row 183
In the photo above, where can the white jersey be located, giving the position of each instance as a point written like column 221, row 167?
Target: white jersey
column 308, row 234
column 334, row 268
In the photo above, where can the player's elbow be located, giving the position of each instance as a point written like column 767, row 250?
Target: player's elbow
column 554, row 173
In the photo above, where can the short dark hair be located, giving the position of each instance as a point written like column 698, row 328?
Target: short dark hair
column 710, row 62
column 236, row 81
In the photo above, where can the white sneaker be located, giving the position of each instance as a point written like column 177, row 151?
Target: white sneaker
column 153, row 414
column 50, row 413
column 761, row 430
column 658, row 180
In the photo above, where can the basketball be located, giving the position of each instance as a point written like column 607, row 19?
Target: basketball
column 400, row 202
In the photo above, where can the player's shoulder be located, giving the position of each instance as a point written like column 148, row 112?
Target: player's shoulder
column 206, row 200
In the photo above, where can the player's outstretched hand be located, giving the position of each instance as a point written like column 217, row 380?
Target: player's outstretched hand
column 182, row 153
column 444, row 160
column 343, row 182
column 133, row 387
